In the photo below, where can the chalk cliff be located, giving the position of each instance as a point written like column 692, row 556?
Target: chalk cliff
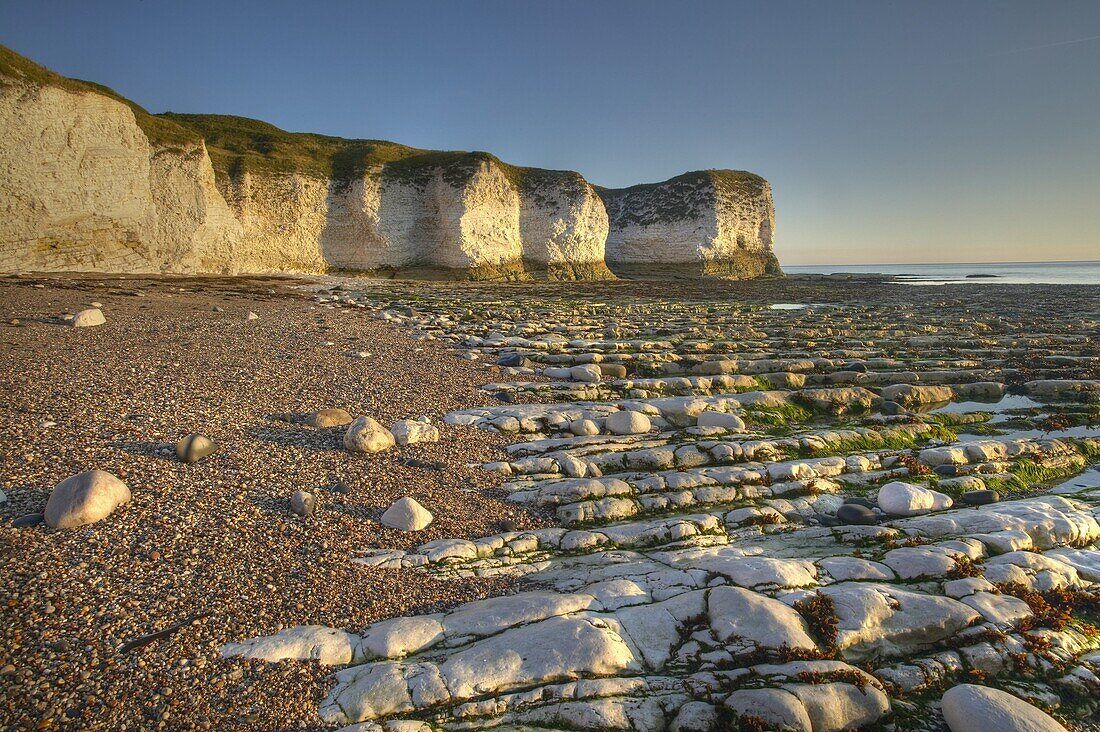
column 91, row 181
column 710, row 222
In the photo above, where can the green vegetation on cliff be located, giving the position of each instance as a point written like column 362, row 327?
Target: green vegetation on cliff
column 240, row 144
column 678, row 198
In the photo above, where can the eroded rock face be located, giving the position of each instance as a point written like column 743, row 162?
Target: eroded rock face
column 89, row 183
column 708, row 222
column 82, row 189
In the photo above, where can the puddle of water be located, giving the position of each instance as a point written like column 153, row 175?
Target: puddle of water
column 1009, row 401
column 788, row 306
column 1077, row 432
column 1089, row 478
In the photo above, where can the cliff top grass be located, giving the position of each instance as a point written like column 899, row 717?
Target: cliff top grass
column 730, row 179
column 240, row 144
column 160, row 131
column 679, row 198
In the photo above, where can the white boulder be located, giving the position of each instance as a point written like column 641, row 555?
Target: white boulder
column 627, row 422
column 87, row 318
column 972, row 708
column 368, row 435
column 407, row 515
column 412, row 431
column 588, row 373
column 905, row 499
column 584, row 427
column 721, row 419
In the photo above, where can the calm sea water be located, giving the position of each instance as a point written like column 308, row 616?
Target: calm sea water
column 1014, row 273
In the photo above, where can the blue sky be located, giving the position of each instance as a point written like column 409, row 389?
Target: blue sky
column 891, row 132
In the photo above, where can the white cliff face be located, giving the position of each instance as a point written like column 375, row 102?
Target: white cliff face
column 563, row 225
column 487, row 213
column 710, row 222
column 282, row 217
column 75, row 191
column 82, row 187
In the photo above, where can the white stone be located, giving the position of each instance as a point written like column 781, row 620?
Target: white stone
column 407, row 514
column 304, row 642
column 905, row 499
column 778, row 708
column 721, row 419
column 587, row 373
column 87, row 318
column 627, row 422
column 584, row 427
column 972, row 708
column 367, row 435
column 739, row 613
column 411, row 432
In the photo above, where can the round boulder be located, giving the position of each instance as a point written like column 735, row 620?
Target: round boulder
column 721, row 419
column 584, row 427
column 87, row 318
column 406, row 514
column 905, row 499
column 972, row 708
column 323, row 419
column 303, row 503
column 588, row 373
column 854, row 513
column 84, row 499
column 368, row 435
column 627, row 422
column 195, row 447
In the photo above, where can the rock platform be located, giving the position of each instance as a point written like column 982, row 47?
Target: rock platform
column 699, row 573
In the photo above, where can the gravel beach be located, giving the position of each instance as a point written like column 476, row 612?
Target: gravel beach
column 212, row 545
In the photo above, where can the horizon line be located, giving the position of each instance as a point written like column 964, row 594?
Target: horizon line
column 919, row 264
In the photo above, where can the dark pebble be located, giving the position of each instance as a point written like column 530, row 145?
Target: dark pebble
column 947, row 471
column 514, row 360
column 980, row 498
column 891, row 408
column 30, row 519
column 856, row 513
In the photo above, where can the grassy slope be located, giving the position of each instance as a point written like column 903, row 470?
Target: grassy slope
column 159, row 130
column 239, row 144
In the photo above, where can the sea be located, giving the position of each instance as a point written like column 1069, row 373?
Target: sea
column 1003, row 273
